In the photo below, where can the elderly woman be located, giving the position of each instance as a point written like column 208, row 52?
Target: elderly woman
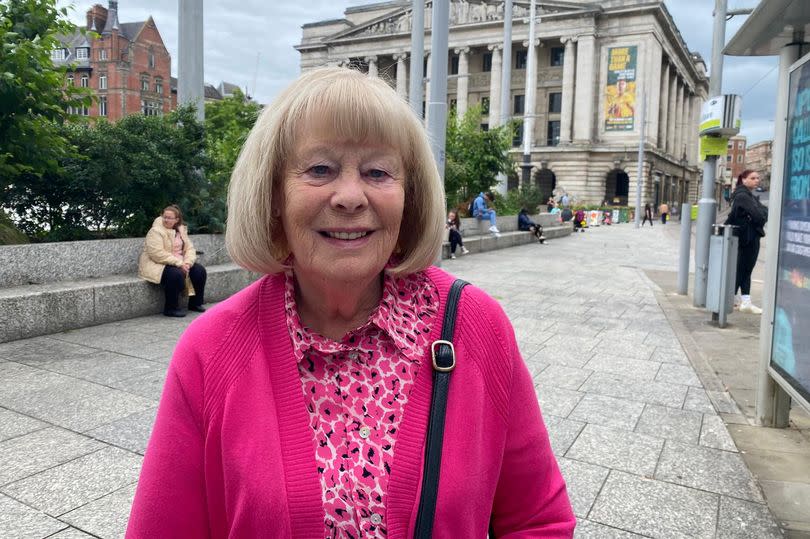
column 300, row 406
column 170, row 260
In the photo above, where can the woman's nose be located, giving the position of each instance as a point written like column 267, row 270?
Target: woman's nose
column 349, row 192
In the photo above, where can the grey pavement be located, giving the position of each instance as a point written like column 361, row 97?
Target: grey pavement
column 640, row 426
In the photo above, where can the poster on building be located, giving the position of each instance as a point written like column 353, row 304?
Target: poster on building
column 620, row 94
column 790, row 350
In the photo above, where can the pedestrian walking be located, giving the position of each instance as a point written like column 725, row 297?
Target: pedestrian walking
column 647, row 215
column 663, row 211
column 749, row 216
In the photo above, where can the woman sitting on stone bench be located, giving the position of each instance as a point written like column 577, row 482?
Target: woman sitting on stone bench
column 170, row 260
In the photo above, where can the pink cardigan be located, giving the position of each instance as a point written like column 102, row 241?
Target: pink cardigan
column 231, row 453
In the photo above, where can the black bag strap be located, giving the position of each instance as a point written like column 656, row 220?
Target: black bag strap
column 444, row 361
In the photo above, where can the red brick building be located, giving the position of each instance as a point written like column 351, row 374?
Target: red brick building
column 735, row 158
column 759, row 157
column 127, row 66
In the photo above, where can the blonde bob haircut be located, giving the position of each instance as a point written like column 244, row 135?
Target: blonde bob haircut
column 354, row 108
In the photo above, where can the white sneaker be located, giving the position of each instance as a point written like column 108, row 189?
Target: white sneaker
column 750, row 308
column 494, row 229
column 453, row 256
column 465, row 251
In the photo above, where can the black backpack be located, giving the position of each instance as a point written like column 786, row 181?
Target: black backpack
column 472, row 207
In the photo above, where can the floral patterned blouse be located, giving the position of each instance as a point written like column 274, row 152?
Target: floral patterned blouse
column 356, row 390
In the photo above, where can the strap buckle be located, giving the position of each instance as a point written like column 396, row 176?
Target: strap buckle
column 436, row 366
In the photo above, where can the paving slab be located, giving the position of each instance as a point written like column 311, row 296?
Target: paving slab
column 739, row 519
column 131, row 432
column 713, row 433
column 556, row 400
column 13, row 424
column 613, row 385
column 73, row 484
column 19, row 521
column 707, row 469
column 617, row 449
column 562, row 376
column 655, row 508
column 562, row 433
column 670, row 423
column 698, row 400
column 106, row 516
column 584, row 481
column 607, row 411
column 636, row 369
column 587, row 529
column 41, row 450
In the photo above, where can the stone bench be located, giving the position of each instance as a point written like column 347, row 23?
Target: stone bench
column 476, row 236
column 51, row 287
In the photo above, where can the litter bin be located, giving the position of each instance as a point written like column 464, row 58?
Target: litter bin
column 722, row 272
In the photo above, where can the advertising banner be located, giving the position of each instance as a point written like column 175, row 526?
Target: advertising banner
column 620, row 93
column 790, row 352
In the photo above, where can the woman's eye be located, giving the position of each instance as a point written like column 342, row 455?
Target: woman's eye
column 377, row 174
column 319, row 170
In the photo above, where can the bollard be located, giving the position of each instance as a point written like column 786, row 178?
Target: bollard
column 722, row 272
column 686, row 249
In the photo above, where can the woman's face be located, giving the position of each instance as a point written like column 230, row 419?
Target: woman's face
column 169, row 219
column 343, row 205
column 451, row 216
column 751, row 181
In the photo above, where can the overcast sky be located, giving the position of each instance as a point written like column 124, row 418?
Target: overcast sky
column 249, row 40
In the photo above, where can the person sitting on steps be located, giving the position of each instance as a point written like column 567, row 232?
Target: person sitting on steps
column 525, row 223
column 453, row 225
column 481, row 211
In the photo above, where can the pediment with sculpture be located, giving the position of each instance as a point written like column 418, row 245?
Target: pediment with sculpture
column 461, row 12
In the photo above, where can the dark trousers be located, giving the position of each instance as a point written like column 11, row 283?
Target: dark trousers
column 746, row 260
column 646, row 218
column 173, row 282
column 663, row 218
column 455, row 240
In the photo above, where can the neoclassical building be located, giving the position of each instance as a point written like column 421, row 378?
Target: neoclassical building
column 593, row 64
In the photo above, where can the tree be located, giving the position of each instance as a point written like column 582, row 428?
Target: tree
column 474, row 157
column 227, row 124
column 118, row 180
column 33, row 99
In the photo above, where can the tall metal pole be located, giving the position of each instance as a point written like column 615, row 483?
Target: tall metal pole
column 506, row 80
column 528, row 106
column 417, row 56
column 190, row 50
column 640, row 170
column 707, row 206
column 437, row 100
column 686, row 245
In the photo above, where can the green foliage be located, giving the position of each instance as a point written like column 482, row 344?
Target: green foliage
column 33, row 99
column 527, row 196
column 474, row 157
column 9, row 235
column 227, row 124
column 118, row 180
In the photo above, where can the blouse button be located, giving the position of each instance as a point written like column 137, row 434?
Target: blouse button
column 353, row 356
column 376, row 518
column 365, row 432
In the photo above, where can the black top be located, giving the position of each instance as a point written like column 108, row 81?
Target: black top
column 747, row 211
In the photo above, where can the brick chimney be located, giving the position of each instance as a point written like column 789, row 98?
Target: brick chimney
column 96, row 18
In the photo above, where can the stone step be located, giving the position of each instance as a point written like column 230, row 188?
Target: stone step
column 487, row 242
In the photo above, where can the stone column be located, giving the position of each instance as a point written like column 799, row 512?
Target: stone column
column 402, row 75
column 372, row 65
column 694, row 150
column 687, row 123
column 585, row 88
column 678, row 149
column 663, row 112
column 673, row 90
column 495, row 86
column 567, row 112
column 530, row 91
column 463, row 81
